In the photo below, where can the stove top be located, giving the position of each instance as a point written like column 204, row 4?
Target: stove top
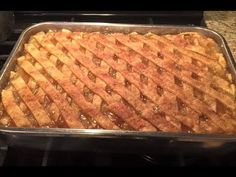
column 20, row 156
column 13, row 156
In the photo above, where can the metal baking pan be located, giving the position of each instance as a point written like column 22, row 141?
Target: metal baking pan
column 109, row 139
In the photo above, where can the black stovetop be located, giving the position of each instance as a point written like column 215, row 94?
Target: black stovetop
column 26, row 156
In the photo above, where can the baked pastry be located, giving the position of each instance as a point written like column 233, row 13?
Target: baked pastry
column 170, row 83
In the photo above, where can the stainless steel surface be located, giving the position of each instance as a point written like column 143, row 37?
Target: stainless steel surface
column 27, row 136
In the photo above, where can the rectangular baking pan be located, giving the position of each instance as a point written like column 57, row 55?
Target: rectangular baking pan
column 108, row 139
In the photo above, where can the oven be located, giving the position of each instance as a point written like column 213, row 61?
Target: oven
column 101, row 152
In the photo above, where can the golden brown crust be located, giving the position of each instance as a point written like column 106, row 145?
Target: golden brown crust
column 170, row 67
column 186, row 61
column 216, row 67
column 87, row 107
column 117, row 85
column 13, row 109
column 113, row 100
column 166, row 101
column 32, row 102
column 71, row 117
column 170, row 83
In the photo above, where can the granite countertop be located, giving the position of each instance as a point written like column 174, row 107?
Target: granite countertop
column 223, row 22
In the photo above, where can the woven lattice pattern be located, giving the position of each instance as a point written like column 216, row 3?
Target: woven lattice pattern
column 171, row 83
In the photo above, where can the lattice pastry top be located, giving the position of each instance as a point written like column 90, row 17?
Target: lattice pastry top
column 171, row 83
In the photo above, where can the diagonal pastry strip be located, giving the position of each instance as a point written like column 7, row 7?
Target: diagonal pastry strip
column 194, row 103
column 150, row 70
column 153, row 74
column 96, row 100
column 166, row 104
column 146, row 110
column 71, row 90
column 120, row 81
column 32, row 102
column 70, row 116
column 170, row 67
column 206, row 60
column 103, row 56
column 185, row 61
column 115, row 105
column 13, row 109
column 114, row 101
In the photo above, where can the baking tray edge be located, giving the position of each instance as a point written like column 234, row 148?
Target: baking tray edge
column 58, row 132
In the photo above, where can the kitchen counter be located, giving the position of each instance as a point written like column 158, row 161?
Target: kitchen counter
column 223, row 22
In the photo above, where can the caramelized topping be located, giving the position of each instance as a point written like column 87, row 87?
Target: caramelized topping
column 198, row 94
column 88, row 94
column 108, row 89
column 143, row 97
column 100, row 46
column 170, row 83
column 112, row 72
column 96, row 61
column 91, row 76
column 203, row 117
column 177, row 53
column 160, row 55
column 159, row 70
column 129, row 67
column 144, row 79
column 178, row 82
column 160, row 90
column 195, row 76
column 115, row 57
column 145, row 61
column 127, row 83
